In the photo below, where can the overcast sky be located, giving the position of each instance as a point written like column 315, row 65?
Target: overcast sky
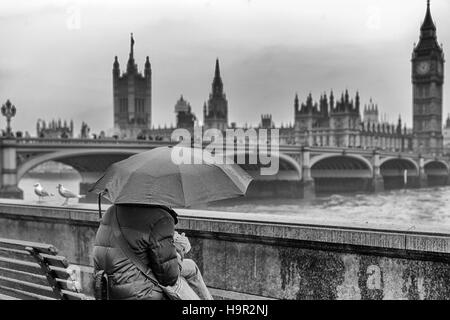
column 56, row 56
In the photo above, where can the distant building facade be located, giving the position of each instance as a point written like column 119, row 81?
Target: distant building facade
column 330, row 121
column 185, row 118
column 54, row 129
column 371, row 114
column 338, row 123
column 132, row 92
column 267, row 122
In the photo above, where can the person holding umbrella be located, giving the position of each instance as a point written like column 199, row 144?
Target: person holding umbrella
column 137, row 253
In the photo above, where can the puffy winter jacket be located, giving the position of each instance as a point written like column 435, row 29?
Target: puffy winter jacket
column 149, row 231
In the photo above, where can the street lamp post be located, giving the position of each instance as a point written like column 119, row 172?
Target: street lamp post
column 8, row 111
column 8, row 154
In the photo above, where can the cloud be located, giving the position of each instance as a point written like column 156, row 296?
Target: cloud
column 56, row 62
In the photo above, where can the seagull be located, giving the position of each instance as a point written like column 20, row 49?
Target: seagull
column 67, row 194
column 41, row 192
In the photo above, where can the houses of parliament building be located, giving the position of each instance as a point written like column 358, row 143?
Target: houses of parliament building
column 333, row 120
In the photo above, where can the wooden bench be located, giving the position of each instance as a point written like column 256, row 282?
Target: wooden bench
column 35, row 271
column 31, row 270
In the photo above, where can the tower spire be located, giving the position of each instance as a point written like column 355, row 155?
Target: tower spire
column 217, row 71
column 131, row 47
column 428, row 23
column 131, row 66
column 217, row 85
column 116, row 66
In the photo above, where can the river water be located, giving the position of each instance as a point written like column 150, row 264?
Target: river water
column 410, row 209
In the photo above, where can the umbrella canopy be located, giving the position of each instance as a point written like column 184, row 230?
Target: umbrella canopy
column 152, row 177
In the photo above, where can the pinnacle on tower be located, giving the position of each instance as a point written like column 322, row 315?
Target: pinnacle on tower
column 147, row 68
column 331, row 99
column 428, row 38
column 132, row 47
column 217, row 70
column 217, row 85
column 428, row 23
column 357, row 101
column 296, row 103
column 131, row 66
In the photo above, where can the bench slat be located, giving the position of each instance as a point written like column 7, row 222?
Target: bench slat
column 31, row 267
column 24, row 276
column 56, row 261
column 21, row 295
column 4, row 297
column 27, row 287
column 35, row 279
column 60, row 273
column 21, row 245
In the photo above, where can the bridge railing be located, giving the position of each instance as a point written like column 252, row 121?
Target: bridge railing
column 89, row 141
column 142, row 143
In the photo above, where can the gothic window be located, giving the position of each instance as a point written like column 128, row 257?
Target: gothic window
column 136, row 105
column 123, row 105
column 139, row 105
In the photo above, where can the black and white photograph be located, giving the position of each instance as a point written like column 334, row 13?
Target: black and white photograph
column 239, row 151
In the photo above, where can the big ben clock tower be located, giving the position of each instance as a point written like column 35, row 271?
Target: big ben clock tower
column 428, row 79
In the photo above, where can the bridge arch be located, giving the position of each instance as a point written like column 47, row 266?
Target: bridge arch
column 65, row 156
column 396, row 166
column 437, row 172
column 359, row 161
column 286, row 183
column 341, row 173
column 436, row 164
column 393, row 170
column 286, row 163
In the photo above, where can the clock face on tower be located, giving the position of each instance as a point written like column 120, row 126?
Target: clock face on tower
column 423, row 67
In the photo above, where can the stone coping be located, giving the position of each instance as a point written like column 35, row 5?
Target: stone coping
column 258, row 226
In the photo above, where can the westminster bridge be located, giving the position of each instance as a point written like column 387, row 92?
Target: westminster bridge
column 303, row 171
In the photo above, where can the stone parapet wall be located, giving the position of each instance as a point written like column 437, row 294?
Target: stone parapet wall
column 271, row 256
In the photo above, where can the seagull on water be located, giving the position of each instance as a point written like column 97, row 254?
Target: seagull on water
column 41, row 192
column 67, row 194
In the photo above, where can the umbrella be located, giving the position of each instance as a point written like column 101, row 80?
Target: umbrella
column 152, row 177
